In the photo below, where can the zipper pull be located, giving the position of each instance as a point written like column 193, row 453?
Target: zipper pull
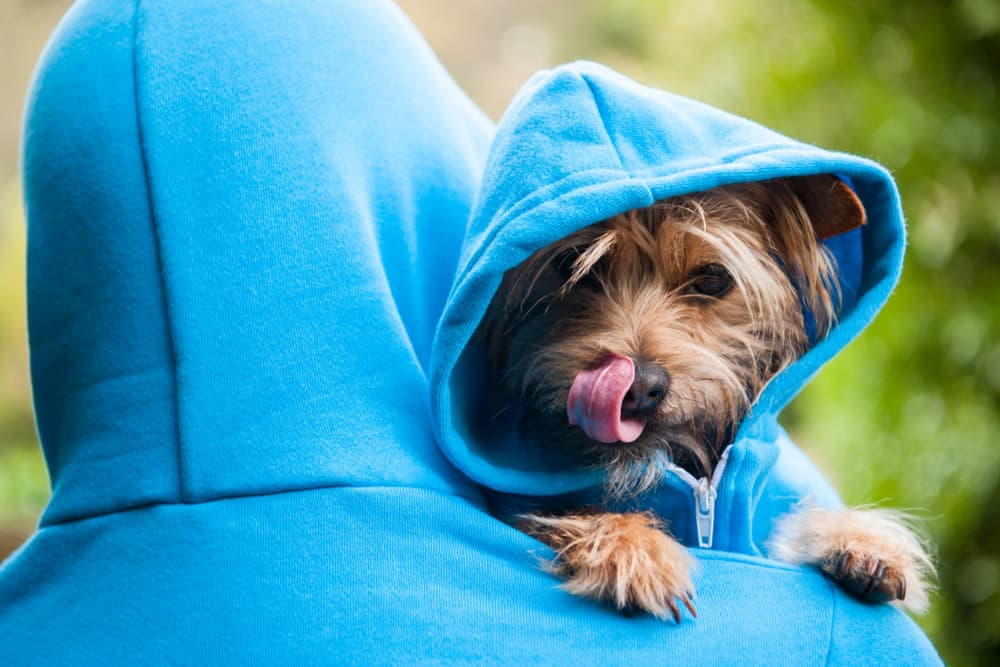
column 704, row 509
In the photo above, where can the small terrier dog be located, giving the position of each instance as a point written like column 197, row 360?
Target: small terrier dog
column 646, row 338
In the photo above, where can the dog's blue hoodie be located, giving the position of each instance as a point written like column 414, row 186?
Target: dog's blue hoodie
column 245, row 223
column 581, row 144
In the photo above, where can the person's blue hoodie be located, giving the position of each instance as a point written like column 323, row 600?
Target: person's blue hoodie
column 244, row 224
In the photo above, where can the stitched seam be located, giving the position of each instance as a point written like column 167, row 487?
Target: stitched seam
column 513, row 212
column 833, row 622
column 478, row 502
column 147, row 179
column 604, row 126
column 743, row 558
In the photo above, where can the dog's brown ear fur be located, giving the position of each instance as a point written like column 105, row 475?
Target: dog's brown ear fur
column 832, row 206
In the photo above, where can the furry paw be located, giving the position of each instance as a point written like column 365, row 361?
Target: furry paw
column 624, row 559
column 873, row 554
column 866, row 576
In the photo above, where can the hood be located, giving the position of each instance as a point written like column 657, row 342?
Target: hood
column 244, row 220
column 582, row 143
column 229, row 267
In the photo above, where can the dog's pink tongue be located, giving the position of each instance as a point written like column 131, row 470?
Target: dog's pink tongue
column 595, row 401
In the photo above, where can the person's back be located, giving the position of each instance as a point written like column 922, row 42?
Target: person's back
column 244, row 223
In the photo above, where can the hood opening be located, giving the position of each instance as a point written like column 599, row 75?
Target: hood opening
column 491, row 424
column 581, row 144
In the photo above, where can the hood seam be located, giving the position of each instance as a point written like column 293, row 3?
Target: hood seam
column 478, row 502
column 507, row 216
column 604, row 125
column 154, row 223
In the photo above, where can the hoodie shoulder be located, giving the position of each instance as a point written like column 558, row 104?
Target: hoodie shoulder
column 863, row 634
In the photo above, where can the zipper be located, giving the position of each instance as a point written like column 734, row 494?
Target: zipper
column 706, row 492
column 704, row 512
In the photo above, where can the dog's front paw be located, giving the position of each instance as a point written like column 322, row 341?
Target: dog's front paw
column 625, row 559
column 872, row 554
column 866, row 575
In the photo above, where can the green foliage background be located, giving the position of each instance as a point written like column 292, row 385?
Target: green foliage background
column 908, row 415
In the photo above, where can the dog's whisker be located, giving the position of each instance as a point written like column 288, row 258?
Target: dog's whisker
column 499, row 413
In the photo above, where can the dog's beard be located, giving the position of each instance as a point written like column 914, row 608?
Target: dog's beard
column 631, row 467
column 714, row 382
column 637, row 287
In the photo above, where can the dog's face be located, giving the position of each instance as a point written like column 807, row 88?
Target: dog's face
column 652, row 333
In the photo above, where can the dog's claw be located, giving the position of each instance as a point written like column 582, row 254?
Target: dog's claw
column 876, row 574
column 867, row 577
column 675, row 611
column 841, row 568
column 690, row 607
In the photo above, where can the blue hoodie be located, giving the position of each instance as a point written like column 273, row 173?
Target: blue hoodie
column 580, row 144
column 244, row 224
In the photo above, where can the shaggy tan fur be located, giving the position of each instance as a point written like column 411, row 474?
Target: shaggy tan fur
column 625, row 287
column 708, row 287
column 627, row 559
column 874, row 553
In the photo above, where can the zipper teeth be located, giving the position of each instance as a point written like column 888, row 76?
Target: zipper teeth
column 720, row 466
column 704, row 521
column 693, row 481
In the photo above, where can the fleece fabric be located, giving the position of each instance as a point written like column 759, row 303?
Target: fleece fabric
column 580, row 144
column 244, row 224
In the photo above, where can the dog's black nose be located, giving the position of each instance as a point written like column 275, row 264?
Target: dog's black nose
column 648, row 389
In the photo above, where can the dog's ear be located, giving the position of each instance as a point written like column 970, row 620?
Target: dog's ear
column 832, row 206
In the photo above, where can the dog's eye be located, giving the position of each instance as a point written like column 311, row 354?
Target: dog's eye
column 710, row 280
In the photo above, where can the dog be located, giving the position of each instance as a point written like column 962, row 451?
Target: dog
column 646, row 338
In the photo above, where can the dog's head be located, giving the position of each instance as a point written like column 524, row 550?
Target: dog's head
column 652, row 333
